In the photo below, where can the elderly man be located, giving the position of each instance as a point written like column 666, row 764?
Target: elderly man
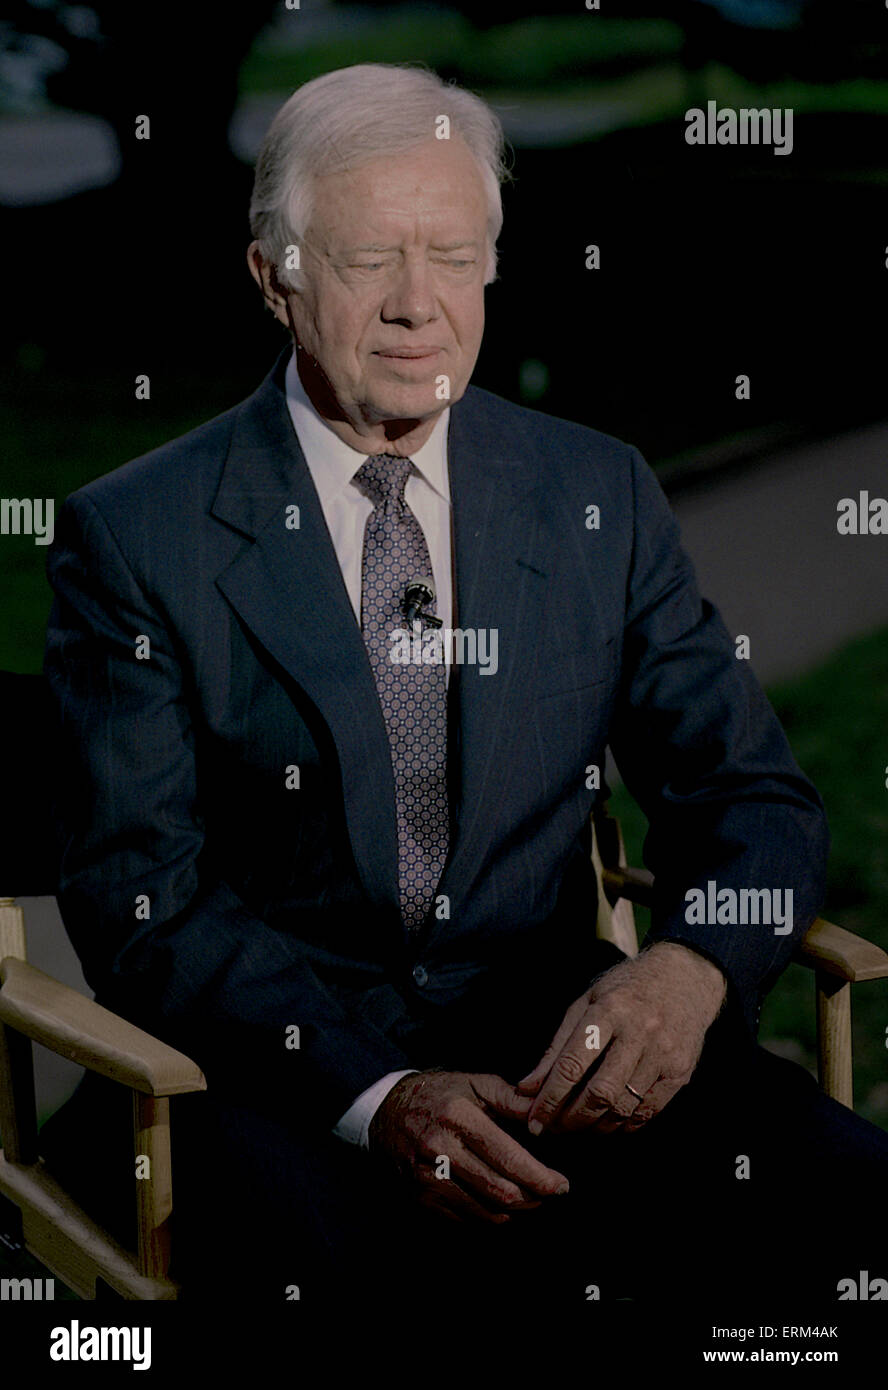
column 336, row 674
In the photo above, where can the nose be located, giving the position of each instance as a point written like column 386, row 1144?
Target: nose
column 411, row 298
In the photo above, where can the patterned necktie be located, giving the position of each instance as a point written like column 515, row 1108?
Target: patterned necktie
column 413, row 696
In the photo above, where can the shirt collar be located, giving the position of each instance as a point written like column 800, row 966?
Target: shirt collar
column 333, row 463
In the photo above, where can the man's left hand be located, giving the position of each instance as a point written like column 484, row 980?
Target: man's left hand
column 651, row 1014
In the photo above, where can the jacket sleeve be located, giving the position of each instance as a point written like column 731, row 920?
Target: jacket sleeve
column 163, row 939
column 703, row 753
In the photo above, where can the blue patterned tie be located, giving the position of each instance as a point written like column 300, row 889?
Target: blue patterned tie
column 413, row 696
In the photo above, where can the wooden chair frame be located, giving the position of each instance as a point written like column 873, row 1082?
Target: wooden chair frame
column 36, row 1008
column 838, row 958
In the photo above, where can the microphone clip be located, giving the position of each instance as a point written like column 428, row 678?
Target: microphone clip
column 418, row 593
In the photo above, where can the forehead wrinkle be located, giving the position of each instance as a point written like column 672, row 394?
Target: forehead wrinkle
column 387, row 219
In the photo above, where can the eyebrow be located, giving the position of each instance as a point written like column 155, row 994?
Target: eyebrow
column 450, row 246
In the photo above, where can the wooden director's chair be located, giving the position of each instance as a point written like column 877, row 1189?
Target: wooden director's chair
column 36, row 1008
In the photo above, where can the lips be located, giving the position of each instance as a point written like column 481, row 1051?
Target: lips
column 407, row 354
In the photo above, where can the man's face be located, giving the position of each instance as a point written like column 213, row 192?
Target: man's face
column 394, row 266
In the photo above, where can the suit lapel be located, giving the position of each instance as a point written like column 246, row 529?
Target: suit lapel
column 288, row 589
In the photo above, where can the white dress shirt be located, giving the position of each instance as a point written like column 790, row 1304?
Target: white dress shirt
column 332, row 464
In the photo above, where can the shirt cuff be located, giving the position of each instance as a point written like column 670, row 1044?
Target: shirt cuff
column 354, row 1127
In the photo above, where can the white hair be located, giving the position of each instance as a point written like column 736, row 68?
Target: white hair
column 348, row 117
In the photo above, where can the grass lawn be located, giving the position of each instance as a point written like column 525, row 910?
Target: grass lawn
column 636, row 64
column 533, row 51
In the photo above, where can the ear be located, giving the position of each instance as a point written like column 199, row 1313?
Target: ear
column 263, row 272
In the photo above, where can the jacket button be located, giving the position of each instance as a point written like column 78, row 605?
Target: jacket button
column 420, row 975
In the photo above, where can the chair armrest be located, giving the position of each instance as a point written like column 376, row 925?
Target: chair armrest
column 824, row 947
column 839, row 952
column 635, row 884
column 50, row 1013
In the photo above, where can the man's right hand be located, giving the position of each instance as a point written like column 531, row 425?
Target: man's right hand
column 432, row 1115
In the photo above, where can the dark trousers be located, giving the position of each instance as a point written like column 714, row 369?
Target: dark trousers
column 661, row 1214
column 749, row 1184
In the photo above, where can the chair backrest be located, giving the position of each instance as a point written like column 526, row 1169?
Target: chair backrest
column 616, row 917
column 29, row 858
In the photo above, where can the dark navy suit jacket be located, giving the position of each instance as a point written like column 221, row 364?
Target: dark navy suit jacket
column 217, row 907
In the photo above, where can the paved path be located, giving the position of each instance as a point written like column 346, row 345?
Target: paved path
column 767, row 551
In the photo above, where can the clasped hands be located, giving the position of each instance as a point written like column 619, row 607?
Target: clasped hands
column 640, row 1025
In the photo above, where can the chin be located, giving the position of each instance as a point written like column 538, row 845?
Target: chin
column 409, row 403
